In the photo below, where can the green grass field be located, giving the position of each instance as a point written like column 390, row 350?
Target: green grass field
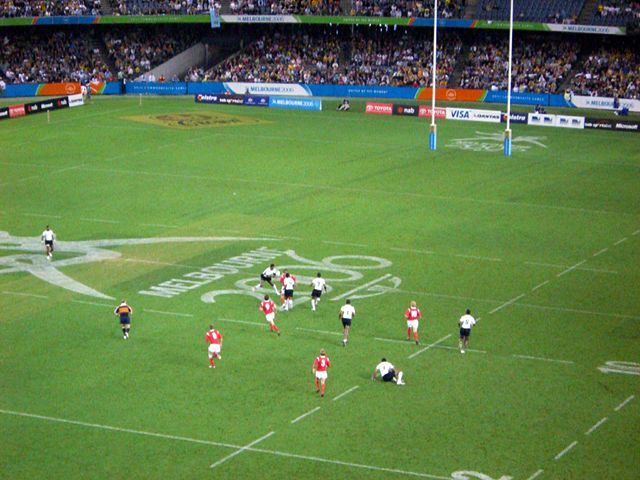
column 544, row 247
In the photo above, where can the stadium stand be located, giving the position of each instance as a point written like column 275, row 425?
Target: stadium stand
column 43, row 57
column 616, row 12
column 551, row 11
column 407, row 8
column 539, row 64
column 285, row 7
column 609, row 72
column 45, row 8
column 164, row 7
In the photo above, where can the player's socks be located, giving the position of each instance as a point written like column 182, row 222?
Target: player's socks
column 313, row 305
column 213, row 364
column 408, row 334
column 322, row 390
column 317, row 385
column 400, row 375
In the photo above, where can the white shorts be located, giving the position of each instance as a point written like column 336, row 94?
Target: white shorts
column 270, row 317
column 321, row 375
column 413, row 325
column 214, row 348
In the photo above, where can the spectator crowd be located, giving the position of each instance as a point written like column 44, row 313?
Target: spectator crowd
column 47, row 8
column 609, row 72
column 407, row 8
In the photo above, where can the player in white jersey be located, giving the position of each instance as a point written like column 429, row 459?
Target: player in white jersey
column 347, row 312
column 48, row 237
column 318, row 285
column 288, row 285
column 387, row 372
column 267, row 276
column 465, row 323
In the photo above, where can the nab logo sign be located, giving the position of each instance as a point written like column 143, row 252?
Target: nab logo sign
column 460, row 114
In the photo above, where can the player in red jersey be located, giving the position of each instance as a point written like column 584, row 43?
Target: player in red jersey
column 214, row 339
column 269, row 309
column 320, row 366
column 281, row 280
column 413, row 316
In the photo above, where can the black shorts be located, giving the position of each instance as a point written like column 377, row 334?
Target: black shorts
column 346, row 322
column 288, row 294
column 316, row 293
column 465, row 332
column 125, row 320
column 49, row 243
column 389, row 376
column 266, row 279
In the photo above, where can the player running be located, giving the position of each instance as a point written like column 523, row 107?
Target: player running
column 125, row 312
column 48, row 237
column 288, row 285
column 318, row 285
column 320, row 366
column 466, row 322
column 214, row 339
column 281, row 280
column 387, row 371
column 267, row 276
column 413, row 316
column 269, row 309
column 347, row 312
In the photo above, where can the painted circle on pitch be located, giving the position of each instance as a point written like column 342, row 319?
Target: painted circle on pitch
column 378, row 262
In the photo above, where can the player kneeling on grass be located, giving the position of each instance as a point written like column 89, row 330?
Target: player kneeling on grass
column 269, row 309
column 388, row 373
column 214, row 339
column 320, row 366
column 124, row 311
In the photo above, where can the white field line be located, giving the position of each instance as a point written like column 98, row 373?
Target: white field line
column 636, row 232
column 411, row 250
column 622, row 240
column 40, row 215
column 312, row 411
column 238, row 452
column 540, row 285
column 161, row 225
column 592, row 429
column 20, row 294
column 318, row 331
column 347, row 392
column 161, row 312
column 98, row 220
column 155, row 262
column 92, row 303
column 431, row 345
column 243, row 322
column 543, row 359
column 583, row 269
column 477, row 257
column 566, row 450
column 600, row 252
column 447, row 347
column 394, row 340
column 570, row 269
column 576, row 310
column 506, row 304
column 535, row 475
column 362, row 287
column 345, row 243
column 622, row 405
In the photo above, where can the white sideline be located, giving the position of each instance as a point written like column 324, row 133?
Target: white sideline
column 415, row 354
column 544, row 359
column 566, row 450
column 506, row 304
column 161, row 312
column 347, row 392
column 621, row 406
column 238, row 452
column 592, row 429
column 297, row 419
column 25, row 294
column 225, row 445
column 536, row 474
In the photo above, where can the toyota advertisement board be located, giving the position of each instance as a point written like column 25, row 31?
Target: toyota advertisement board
column 376, row 108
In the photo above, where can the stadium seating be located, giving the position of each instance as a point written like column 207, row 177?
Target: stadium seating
column 616, row 12
column 608, row 72
column 407, row 8
column 552, row 11
column 44, row 8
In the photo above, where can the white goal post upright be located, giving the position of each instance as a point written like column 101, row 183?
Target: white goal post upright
column 432, row 129
column 507, row 132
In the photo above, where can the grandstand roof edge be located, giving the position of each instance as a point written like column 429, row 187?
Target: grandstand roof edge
column 311, row 19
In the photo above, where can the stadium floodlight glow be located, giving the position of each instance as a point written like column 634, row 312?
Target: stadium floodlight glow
column 507, row 132
column 433, row 128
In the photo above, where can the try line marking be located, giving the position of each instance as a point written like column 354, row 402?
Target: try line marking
column 226, row 445
column 238, row 452
column 622, row 405
column 297, row 419
column 346, row 393
column 429, row 346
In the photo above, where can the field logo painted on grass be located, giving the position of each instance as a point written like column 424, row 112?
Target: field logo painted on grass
column 494, row 142
column 195, row 120
column 469, row 475
column 87, row 251
column 336, row 270
column 626, row 368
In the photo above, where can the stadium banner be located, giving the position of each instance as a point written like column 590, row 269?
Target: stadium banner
column 557, row 100
column 472, row 115
column 282, row 89
column 157, row 88
column 608, row 124
column 362, row 91
column 542, row 119
column 105, row 88
column 54, row 89
column 293, row 103
column 425, row 112
column 17, row 111
column 211, row 88
column 516, row 117
column 44, row 105
column 452, row 94
column 21, row 90
column 594, row 29
column 220, row 99
column 518, row 98
column 379, row 108
column 76, row 100
column 255, row 101
column 604, row 103
column 566, row 121
column 4, row 113
column 406, row 110
column 259, row 19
